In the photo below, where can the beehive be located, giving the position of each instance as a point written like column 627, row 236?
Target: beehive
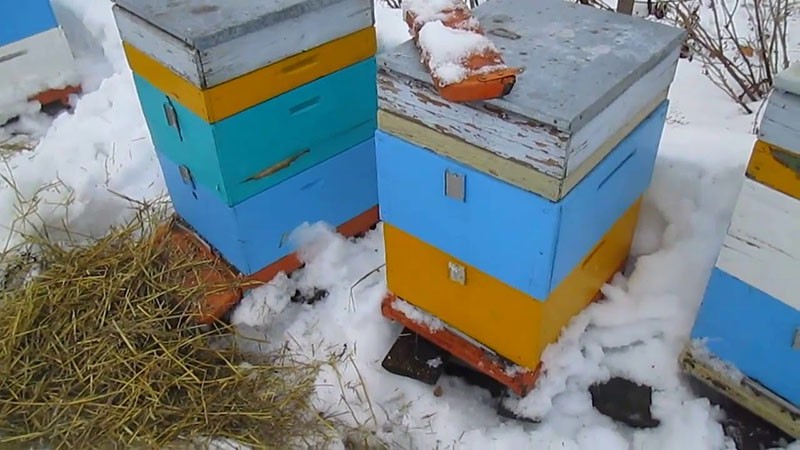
column 522, row 206
column 263, row 117
column 750, row 315
column 36, row 62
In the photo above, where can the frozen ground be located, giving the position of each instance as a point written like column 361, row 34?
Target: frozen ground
column 103, row 149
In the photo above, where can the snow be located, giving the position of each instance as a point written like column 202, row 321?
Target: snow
column 448, row 48
column 429, row 10
column 102, row 149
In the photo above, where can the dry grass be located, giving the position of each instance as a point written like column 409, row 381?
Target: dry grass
column 98, row 350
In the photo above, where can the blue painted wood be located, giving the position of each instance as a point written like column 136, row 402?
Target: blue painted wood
column 313, row 123
column 20, row 19
column 753, row 331
column 516, row 236
column 253, row 234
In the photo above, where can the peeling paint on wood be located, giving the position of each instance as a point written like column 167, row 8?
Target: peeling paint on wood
column 762, row 246
column 780, row 125
column 584, row 88
column 775, row 167
column 277, row 167
column 543, row 160
column 577, row 59
column 230, row 38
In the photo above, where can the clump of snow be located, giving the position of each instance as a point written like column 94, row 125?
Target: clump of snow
column 430, row 10
column 15, row 92
column 434, row 363
column 446, row 50
column 417, row 315
column 394, row 30
column 701, row 352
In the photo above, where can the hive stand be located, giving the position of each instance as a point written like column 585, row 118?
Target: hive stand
column 262, row 115
column 504, row 218
column 36, row 61
column 746, row 338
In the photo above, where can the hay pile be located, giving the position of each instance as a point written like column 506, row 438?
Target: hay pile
column 98, row 351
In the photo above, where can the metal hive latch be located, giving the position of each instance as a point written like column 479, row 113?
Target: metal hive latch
column 454, row 185
column 458, row 273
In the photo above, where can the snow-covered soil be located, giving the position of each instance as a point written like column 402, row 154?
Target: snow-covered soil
column 102, row 149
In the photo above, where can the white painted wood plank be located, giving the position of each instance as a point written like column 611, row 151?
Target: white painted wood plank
column 232, row 59
column 605, row 126
column 31, row 66
column 508, row 135
column 209, row 54
column 577, row 58
column 518, row 139
column 170, row 51
column 780, row 124
column 762, row 247
column 789, row 79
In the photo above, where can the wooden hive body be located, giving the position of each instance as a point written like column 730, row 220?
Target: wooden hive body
column 219, row 40
column 749, row 320
column 36, row 62
column 750, row 315
column 507, row 321
column 522, row 239
column 255, row 233
column 583, row 90
column 262, row 146
column 245, row 94
column 775, row 161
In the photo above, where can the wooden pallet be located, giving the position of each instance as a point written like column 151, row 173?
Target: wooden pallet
column 518, row 379
column 221, row 286
column 748, row 393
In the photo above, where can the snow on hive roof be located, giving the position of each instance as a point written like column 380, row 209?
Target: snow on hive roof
column 789, row 79
column 448, row 46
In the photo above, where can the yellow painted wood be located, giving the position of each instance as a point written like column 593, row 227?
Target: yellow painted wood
column 776, row 168
column 507, row 169
column 234, row 96
column 498, row 316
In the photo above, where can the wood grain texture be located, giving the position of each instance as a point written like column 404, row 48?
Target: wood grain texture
column 507, row 170
column 762, row 246
column 506, row 320
column 227, row 99
column 23, row 19
column 775, row 167
column 779, row 124
column 221, row 40
column 749, row 394
column 577, row 58
column 526, row 145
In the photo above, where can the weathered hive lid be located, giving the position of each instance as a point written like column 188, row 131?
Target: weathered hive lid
column 205, row 24
column 228, row 38
column 577, row 59
column 789, row 79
